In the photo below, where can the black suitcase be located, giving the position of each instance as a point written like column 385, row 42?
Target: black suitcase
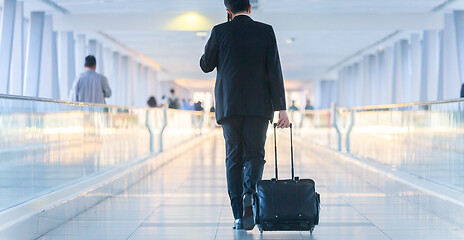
column 286, row 205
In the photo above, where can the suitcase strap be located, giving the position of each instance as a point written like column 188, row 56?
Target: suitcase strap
column 291, row 151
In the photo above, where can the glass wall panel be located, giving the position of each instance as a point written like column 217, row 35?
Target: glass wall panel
column 47, row 145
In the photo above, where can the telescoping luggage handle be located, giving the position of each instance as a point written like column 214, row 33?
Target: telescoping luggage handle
column 291, row 152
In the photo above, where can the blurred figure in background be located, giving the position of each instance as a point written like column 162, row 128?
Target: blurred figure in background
column 152, row 102
column 163, row 101
column 308, row 105
column 173, row 101
column 293, row 107
column 198, row 106
column 91, row 87
column 185, row 105
column 308, row 116
column 191, row 105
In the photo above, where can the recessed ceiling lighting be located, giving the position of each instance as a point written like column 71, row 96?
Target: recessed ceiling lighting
column 202, row 34
column 190, row 21
column 290, row 40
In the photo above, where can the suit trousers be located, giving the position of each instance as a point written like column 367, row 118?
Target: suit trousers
column 245, row 137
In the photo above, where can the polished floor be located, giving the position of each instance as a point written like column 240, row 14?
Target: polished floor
column 187, row 199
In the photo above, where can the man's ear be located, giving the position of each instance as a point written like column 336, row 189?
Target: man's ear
column 249, row 9
column 230, row 12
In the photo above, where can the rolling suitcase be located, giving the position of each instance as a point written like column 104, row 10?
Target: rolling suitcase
column 286, row 205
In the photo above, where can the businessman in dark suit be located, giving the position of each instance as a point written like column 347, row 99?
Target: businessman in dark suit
column 249, row 89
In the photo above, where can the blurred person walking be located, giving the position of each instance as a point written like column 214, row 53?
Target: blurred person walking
column 152, row 102
column 173, row 100
column 308, row 105
column 91, row 87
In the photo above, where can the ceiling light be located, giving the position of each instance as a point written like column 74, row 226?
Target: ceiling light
column 202, row 34
column 190, row 21
column 290, row 40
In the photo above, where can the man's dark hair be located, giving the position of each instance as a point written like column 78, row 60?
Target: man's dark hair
column 236, row 6
column 172, row 90
column 90, row 61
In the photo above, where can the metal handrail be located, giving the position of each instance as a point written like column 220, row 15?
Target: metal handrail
column 81, row 104
column 399, row 105
column 386, row 106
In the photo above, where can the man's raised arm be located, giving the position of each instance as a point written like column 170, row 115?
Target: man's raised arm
column 209, row 60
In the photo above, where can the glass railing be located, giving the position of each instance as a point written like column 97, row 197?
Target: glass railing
column 315, row 126
column 46, row 145
column 424, row 139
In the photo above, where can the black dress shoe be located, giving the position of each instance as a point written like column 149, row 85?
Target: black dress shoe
column 238, row 224
column 248, row 222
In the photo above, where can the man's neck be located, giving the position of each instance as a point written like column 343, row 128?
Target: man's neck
column 240, row 13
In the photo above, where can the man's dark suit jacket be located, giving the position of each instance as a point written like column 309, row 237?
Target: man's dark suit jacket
column 249, row 76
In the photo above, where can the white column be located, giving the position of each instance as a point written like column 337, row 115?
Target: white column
column 108, row 63
column 405, row 82
column 66, row 63
column 317, row 94
column 17, row 57
column 389, row 74
column 351, row 87
column 396, row 75
column 459, row 26
column 157, row 78
column 150, row 84
column 130, row 82
column 139, row 88
column 373, row 80
column 341, row 82
column 34, row 54
column 55, row 78
column 324, row 96
column 114, row 79
column 332, row 91
column 416, row 68
column 100, row 58
column 365, row 85
column 429, row 83
column 451, row 61
column 81, row 51
column 46, row 71
column 92, row 47
column 6, row 43
column 122, row 89
column 358, row 84
column 451, row 78
column 441, row 74
column 142, row 88
column 26, row 24
column 401, row 77
column 381, row 75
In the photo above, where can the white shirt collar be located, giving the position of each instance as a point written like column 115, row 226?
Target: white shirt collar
column 245, row 14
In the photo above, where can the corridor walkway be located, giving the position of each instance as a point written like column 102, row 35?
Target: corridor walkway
column 187, row 199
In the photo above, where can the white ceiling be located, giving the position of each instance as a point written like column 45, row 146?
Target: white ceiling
column 307, row 58
column 290, row 6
